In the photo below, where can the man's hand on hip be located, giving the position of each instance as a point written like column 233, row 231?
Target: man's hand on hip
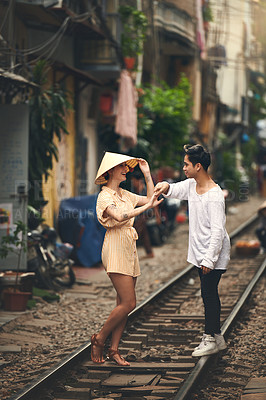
column 205, row 270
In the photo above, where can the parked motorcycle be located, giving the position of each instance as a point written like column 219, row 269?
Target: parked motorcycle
column 169, row 210
column 49, row 260
column 159, row 232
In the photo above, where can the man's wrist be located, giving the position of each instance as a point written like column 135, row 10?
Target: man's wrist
column 167, row 187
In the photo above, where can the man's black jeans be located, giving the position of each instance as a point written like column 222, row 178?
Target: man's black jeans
column 211, row 300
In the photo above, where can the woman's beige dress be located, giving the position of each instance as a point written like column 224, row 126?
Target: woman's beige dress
column 119, row 252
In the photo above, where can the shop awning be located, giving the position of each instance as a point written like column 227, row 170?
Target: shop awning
column 14, row 78
column 79, row 74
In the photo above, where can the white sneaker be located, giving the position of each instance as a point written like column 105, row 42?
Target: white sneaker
column 220, row 342
column 206, row 347
column 200, row 345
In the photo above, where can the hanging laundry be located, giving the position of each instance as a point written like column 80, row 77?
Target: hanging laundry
column 126, row 119
column 200, row 30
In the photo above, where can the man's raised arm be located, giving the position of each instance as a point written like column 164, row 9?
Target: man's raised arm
column 161, row 188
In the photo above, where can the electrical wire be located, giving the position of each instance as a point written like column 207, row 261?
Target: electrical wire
column 40, row 47
column 43, row 51
column 46, row 54
column 224, row 30
column 46, row 49
column 79, row 18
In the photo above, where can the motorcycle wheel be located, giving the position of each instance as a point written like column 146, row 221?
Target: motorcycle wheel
column 66, row 278
column 42, row 276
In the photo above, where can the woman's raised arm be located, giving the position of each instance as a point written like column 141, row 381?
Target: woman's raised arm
column 121, row 216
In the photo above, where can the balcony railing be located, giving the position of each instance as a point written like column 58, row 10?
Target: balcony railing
column 95, row 54
column 174, row 21
column 44, row 3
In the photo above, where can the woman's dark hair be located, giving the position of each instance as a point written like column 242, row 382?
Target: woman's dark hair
column 197, row 154
column 106, row 175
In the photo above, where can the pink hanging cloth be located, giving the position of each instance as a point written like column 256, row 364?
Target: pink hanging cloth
column 200, row 30
column 126, row 119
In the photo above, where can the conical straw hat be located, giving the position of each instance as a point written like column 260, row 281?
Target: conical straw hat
column 111, row 160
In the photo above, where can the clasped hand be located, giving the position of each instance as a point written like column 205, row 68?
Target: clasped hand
column 154, row 201
column 161, row 188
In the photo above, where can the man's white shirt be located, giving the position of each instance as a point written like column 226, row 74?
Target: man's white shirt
column 209, row 243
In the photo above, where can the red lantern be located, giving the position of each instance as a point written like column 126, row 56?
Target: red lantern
column 106, row 103
column 129, row 62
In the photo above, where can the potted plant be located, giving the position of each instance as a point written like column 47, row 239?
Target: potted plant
column 14, row 299
column 134, row 23
column 207, row 15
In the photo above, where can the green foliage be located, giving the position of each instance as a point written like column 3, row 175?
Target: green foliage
column 14, row 242
column 257, row 103
column 45, row 295
column 249, row 152
column 207, row 13
column 239, row 182
column 164, row 117
column 231, row 176
column 257, row 111
column 48, row 108
column 135, row 25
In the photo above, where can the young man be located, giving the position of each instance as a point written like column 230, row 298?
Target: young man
column 209, row 243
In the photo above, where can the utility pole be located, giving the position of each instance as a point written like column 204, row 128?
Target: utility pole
column 154, row 45
column 11, row 26
column 140, row 56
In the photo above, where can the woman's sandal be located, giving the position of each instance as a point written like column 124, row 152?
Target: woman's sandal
column 112, row 353
column 100, row 346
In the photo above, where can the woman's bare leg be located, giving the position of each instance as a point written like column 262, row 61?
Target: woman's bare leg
column 125, row 288
column 119, row 329
column 117, row 334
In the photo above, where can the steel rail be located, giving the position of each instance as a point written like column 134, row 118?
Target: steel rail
column 203, row 363
column 160, row 291
column 185, row 271
column 81, row 352
column 84, row 350
column 243, row 226
column 51, row 374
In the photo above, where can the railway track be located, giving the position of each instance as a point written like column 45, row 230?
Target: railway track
column 162, row 332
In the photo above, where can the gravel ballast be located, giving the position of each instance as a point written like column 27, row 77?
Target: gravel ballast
column 51, row 331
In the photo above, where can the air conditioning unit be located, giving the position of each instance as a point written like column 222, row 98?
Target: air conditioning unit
column 44, row 3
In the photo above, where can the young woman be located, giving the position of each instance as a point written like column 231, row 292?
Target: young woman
column 116, row 209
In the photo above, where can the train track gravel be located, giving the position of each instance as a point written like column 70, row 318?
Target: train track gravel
column 245, row 356
column 51, row 331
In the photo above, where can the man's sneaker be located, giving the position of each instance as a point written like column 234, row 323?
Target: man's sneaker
column 206, row 347
column 220, row 342
column 200, row 345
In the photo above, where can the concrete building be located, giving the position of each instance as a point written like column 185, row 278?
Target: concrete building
column 81, row 40
column 233, row 52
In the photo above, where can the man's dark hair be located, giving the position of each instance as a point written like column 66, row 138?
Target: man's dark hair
column 197, row 154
